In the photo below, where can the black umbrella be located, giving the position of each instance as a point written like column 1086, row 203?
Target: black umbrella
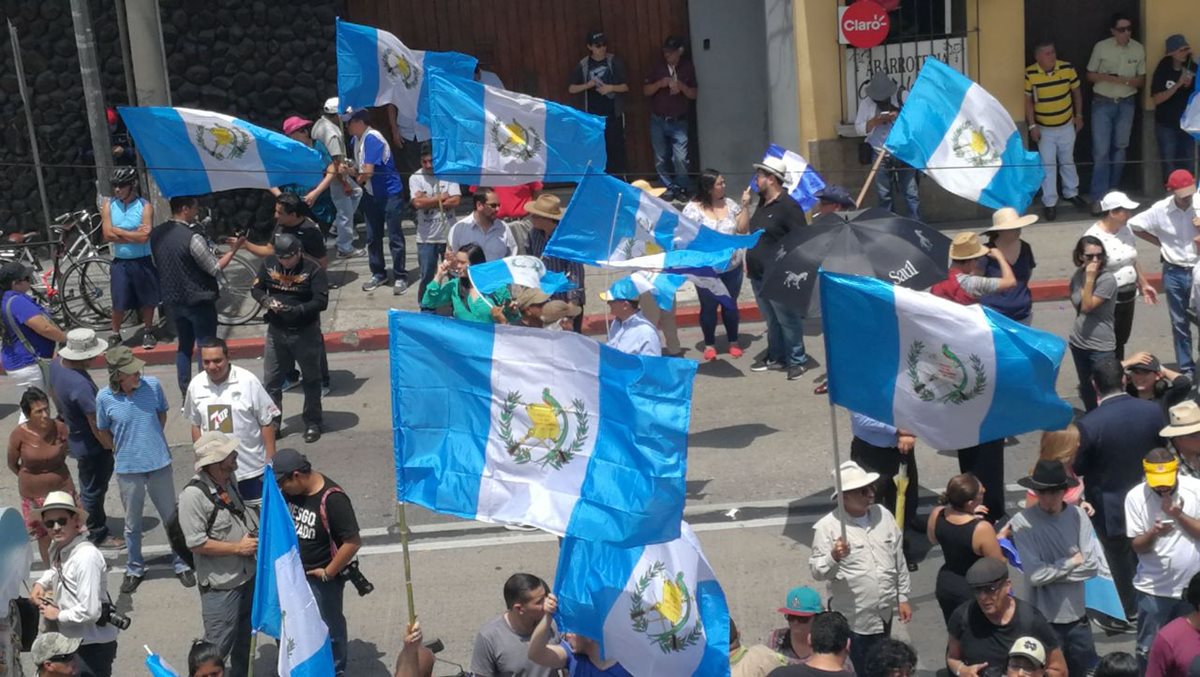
column 871, row 242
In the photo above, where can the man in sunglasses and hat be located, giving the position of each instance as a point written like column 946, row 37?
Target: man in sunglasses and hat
column 544, row 214
column 1059, row 554
column 1183, row 436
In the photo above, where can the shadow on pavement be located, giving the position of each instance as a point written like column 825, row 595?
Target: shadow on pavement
column 695, row 489
column 719, row 368
column 344, row 382
column 737, row 436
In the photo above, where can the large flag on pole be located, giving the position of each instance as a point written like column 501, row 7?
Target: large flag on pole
column 195, row 152
column 656, row 609
column 955, row 375
column 1190, row 122
column 956, row 132
column 488, row 136
column 284, row 607
column 550, row 429
column 802, row 181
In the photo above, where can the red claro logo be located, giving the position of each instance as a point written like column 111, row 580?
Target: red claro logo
column 865, row 24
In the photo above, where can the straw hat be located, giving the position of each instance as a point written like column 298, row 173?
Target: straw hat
column 547, row 205
column 854, row 477
column 1007, row 218
column 774, row 166
column 966, row 246
column 644, row 186
column 59, row 500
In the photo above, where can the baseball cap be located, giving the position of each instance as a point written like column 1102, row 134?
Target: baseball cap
column 621, row 290
column 1152, row 365
column 1116, row 199
column 362, row 114
column 50, row 644
column 331, row 106
column 1160, row 474
column 286, row 244
column 212, row 447
column 1176, row 42
column 802, row 601
column 986, row 571
column 672, row 43
column 1030, row 648
column 288, row 461
column 597, row 38
column 121, row 359
column 11, row 273
column 1181, row 182
column 836, row 195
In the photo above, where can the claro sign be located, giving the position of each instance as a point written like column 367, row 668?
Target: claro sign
column 863, row 24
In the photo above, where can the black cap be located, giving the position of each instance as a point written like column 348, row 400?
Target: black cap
column 286, row 244
column 11, row 273
column 288, row 461
column 597, row 38
column 1153, row 365
column 362, row 114
column 674, row 42
column 984, row 572
column 836, row 195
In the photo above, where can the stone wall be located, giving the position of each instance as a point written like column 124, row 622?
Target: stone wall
column 260, row 61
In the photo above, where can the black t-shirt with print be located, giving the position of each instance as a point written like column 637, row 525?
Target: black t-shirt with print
column 984, row 642
column 310, row 531
column 1169, row 112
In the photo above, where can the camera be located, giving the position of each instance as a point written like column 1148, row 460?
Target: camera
column 110, row 616
column 360, row 582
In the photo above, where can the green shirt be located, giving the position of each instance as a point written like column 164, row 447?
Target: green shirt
column 472, row 308
column 1124, row 62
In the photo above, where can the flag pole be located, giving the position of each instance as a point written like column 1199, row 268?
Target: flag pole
column 837, row 468
column 883, row 153
column 402, row 522
column 253, row 650
column 612, row 233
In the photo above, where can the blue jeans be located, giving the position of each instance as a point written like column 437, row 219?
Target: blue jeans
column 906, row 179
column 1153, row 614
column 861, row 645
column 1177, row 285
column 345, row 204
column 1078, row 647
column 329, row 596
column 1084, row 361
column 1176, row 149
column 384, row 212
column 95, row 471
column 670, row 141
column 709, row 306
column 785, row 330
column 134, row 487
column 193, row 324
column 429, row 254
column 1112, row 122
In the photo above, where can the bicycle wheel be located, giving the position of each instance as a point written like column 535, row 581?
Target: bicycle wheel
column 236, row 306
column 84, row 291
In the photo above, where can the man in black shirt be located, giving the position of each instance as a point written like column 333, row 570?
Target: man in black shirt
column 290, row 218
column 294, row 290
column 1170, row 89
column 327, row 531
column 776, row 216
column 600, row 78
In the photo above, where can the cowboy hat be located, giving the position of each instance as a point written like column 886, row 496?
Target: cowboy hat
column 82, row 344
column 880, row 87
column 1048, row 475
column 546, row 205
column 1007, row 218
column 644, row 186
column 59, row 500
column 1185, row 420
column 966, row 246
column 854, row 477
column 775, row 166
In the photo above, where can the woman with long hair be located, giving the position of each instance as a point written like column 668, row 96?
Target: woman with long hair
column 452, row 284
column 965, row 537
column 1094, row 295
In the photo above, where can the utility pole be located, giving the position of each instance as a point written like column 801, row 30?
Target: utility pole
column 33, row 144
column 93, row 96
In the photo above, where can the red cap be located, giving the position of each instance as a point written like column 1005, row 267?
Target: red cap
column 295, row 123
column 1181, row 182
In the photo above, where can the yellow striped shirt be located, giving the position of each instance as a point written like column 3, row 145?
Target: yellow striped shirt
column 1051, row 92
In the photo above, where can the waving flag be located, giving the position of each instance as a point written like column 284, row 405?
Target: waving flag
column 610, row 223
column 1190, row 122
column 954, row 131
column 802, row 182
column 527, row 271
column 157, row 666
column 662, row 286
column 375, row 69
column 955, row 375
column 488, row 136
column 656, row 609
column 194, row 152
column 284, row 607
column 551, row 429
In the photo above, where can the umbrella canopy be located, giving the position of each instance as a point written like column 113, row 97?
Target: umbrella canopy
column 870, row 242
column 16, row 555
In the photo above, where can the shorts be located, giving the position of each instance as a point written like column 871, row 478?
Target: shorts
column 34, row 525
column 134, row 284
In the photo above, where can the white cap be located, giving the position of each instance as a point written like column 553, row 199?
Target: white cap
column 1116, row 199
column 331, row 105
column 1029, row 648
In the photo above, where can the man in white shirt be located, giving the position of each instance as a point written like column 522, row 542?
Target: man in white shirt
column 434, row 201
column 1162, row 516
column 1171, row 225
column 630, row 332
column 877, row 113
column 483, row 228
column 229, row 399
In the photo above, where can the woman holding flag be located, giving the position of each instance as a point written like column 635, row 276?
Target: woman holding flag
column 452, row 284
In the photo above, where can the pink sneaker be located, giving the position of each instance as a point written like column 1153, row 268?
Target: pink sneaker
column 710, row 354
column 735, row 351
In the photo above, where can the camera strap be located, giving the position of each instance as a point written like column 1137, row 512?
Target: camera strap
column 333, row 548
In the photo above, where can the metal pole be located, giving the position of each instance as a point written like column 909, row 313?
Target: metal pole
column 612, row 232
column 837, row 468
column 253, row 650
column 408, row 586
column 33, row 143
column 130, row 83
column 93, row 94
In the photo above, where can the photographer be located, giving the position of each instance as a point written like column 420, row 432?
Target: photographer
column 223, row 536
column 328, row 533
column 73, row 592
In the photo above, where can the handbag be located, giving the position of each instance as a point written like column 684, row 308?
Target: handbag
column 42, row 363
column 25, row 612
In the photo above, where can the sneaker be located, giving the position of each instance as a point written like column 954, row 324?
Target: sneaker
column 796, row 371
column 187, row 577
column 400, row 287
column 111, row 543
column 149, row 340
column 735, row 351
column 710, row 354
column 1114, row 626
column 352, row 254
column 1080, row 203
column 325, row 390
column 373, row 283
column 312, row 433
column 766, row 365
column 130, row 583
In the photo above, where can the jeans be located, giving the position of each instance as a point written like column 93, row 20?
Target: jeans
column 709, row 305
column 614, row 145
column 95, row 471
column 1176, row 149
column 1153, row 613
column 429, row 254
column 861, row 645
column 1078, row 647
column 285, row 348
column 329, row 596
column 1112, row 122
column 98, row 658
column 343, row 223
column 226, row 616
column 1177, row 285
column 193, row 324
column 384, row 212
column 670, row 141
column 785, row 329
column 906, row 178
column 1084, row 361
column 134, row 487
column 1057, row 147
column 986, row 462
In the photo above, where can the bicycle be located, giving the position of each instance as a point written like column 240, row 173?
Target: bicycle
column 78, row 297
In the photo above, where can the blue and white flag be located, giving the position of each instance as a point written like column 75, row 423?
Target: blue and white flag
column 157, row 666
column 661, row 286
column 956, row 132
column 284, row 607
column 515, row 425
column 1099, row 592
column 195, row 152
column 1190, row 122
column 527, row 271
column 494, row 137
column 656, row 609
column 613, row 224
column 802, row 182
column 955, row 375
column 374, row 69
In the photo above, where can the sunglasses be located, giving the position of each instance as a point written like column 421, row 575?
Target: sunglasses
column 61, row 658
column 1123, row 29
column 56, row 523
column 1093, row 257
column 493, row 205
column 990, row 589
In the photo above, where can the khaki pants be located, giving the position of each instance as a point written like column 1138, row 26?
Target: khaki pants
column 664, row 320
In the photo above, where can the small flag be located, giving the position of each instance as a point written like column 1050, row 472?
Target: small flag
column 959, row 134
column 195, row 152
column 527, row 271
column 802, row 182
column 1190, row 122
column 157, row 666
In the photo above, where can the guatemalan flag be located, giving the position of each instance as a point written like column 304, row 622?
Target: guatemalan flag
column 195, row 152
column 527, row 271
column 955, row 375
column 157, row 666
column 375, row 69
column 957, row 133
column 1190, row 122
column 488, row 136
column 284, row 607
column 662, row 286
column 656, row 609
column 516, row 425
column 802, row 182
column 613, row 224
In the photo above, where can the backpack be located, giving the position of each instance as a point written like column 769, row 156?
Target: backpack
column 175, row 532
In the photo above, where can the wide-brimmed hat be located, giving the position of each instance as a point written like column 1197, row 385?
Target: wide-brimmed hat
column 556, row 310
column 294, row 124
column 59, row 500
column 212, row 447
column 854, row 477
column 644, row 186
column 774, row 166
column 121, row 359
column 1185, row 420
column 530, row 296
column 802, row 601
column 82, row 344
column 1160, row 473
column 1181, row 183
column 1007, row 218
column 1048, row 474
column 881, row 87
column 966, row 246
column 1030, row 648
column 1116, row 200
column 1175, row 43
column 548, row 205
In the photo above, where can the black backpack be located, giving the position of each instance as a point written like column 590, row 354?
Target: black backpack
column 175, row 533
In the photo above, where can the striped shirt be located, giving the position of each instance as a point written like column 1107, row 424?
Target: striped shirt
column 132, row 420
column 1053, row 105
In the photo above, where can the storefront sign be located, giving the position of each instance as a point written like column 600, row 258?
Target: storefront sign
column 900, row 61
column 863, row 24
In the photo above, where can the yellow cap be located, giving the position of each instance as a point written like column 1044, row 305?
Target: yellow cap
column 1161, row 474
